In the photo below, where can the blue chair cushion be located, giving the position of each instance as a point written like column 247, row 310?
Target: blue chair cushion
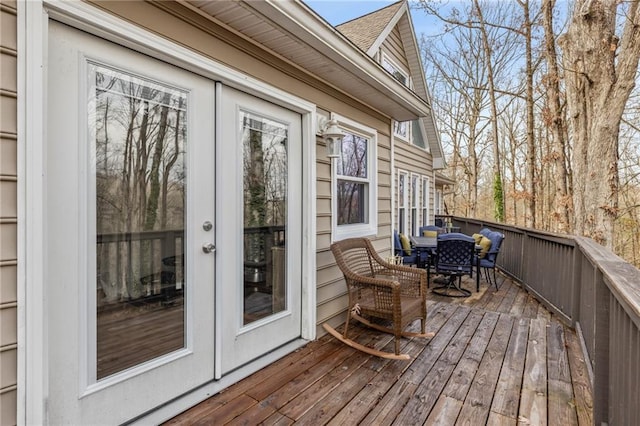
column 398, row 250
column 485, row 231
column 486, row 263
column 496, row 242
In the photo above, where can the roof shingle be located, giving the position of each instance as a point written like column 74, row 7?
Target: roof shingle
column 364, row 31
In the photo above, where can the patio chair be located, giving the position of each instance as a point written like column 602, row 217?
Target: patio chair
column 379, row 290
column 430, row 231
column 404, row 251
column 455, row 257
column 488, row 262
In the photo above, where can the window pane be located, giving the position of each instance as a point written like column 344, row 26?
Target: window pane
column 140, row 130
column 401, row 128
column 351, row 202
column 265, row 215
column 401, row 190
column 353, row 158
column 414, row 191
column 399, row 75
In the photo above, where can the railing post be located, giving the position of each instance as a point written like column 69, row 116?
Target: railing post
column 524, row 279
column 576, row 286
column 601, row 351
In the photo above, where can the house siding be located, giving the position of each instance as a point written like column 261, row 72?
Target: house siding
column 331, row 293
column 408, row 157
column 394, row 48
column 8, row 212
column 413, row 159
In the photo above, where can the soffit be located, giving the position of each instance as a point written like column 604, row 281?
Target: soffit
column 291, row 30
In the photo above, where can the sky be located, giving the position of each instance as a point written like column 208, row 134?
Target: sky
column 338, row 11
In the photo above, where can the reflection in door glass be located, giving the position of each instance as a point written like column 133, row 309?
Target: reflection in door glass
column 140, row 141
column 264, row 144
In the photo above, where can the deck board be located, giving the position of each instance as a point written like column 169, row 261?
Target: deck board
column 507, row 394
column 533, row 401
column 475, row 409
column 496, row 358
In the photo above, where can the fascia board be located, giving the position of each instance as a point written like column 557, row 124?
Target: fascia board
column 414, row 51
column 303, row 24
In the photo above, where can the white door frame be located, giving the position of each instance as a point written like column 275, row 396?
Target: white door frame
column 33, row 17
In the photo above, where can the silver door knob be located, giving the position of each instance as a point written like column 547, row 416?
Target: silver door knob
column 208, row 248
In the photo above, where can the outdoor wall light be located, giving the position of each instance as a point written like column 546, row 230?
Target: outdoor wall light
column 332, row 136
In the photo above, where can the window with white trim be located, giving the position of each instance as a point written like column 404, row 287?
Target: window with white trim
column 354, row 183
column 403, row 197
column 402, row 130
column 425, row 201
column 438, row 202
column 395, row 70
column 414, row 195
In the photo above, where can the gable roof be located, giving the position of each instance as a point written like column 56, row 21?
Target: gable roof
column 368, row 32
column 365, row 30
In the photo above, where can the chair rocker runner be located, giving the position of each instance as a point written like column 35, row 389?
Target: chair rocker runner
column 379, row 290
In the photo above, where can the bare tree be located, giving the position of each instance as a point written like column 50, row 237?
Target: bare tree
column 600, row 72
column 458, row 78
column 495, row 31
column 553, row 117
column 498, row 190
column 531, row 193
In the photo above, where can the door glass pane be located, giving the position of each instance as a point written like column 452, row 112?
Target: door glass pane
column 140, row 133
column 264, row 143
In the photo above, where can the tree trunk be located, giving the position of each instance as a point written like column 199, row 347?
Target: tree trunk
column 151, row 215
column 498, row 192
column 177, row 148
column 600, row 74
column 556, row 123
column 531, row 193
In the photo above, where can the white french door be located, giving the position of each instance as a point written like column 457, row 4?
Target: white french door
column 130, row 226
column 259, row 215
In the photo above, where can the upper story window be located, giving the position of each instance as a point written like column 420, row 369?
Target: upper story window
column 395, row 70
column 402, row 129
column 354, row 183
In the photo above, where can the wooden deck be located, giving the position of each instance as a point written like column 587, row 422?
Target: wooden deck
column 498, row 357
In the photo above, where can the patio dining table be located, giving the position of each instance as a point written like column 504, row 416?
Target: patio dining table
column 422, row 245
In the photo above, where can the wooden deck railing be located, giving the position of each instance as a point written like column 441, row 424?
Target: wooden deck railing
column 591, row 289
column 127, row 262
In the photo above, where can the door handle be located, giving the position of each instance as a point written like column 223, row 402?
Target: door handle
column 208, row 248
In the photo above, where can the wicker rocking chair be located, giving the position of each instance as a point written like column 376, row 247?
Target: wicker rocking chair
column 380, row 290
